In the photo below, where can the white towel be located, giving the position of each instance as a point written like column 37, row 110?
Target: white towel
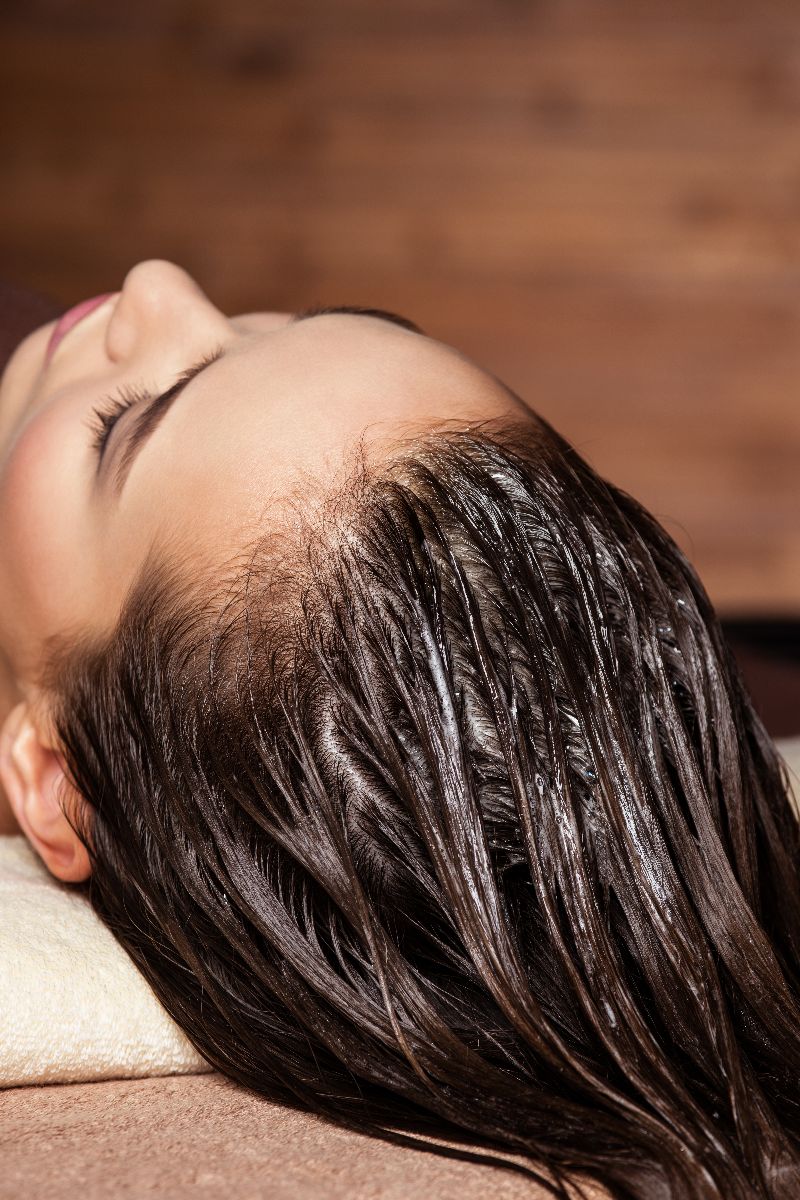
column 72, row 1005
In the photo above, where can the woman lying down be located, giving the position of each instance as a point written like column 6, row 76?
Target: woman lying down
column 401, row 752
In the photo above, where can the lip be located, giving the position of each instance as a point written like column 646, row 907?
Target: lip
column 70, row 319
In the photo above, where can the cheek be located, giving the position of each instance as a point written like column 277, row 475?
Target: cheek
column 42, row 536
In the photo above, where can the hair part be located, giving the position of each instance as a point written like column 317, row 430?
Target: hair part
column 445, row 809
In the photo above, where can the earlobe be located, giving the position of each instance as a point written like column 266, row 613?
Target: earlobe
column 33, row 777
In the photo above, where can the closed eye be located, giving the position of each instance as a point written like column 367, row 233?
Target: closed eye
column 104, row 416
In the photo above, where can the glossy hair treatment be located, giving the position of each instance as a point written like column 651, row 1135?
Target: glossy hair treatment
column 453, row 816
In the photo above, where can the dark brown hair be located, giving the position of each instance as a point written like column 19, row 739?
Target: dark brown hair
column 454, row 816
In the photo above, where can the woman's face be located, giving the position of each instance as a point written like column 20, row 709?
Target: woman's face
column 272, row 398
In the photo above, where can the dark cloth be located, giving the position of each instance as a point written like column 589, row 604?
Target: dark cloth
column 22, row 311
column 768, row 653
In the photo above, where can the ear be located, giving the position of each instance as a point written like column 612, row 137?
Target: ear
column 34, row 779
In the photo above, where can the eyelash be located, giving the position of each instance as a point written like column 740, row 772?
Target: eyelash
column 105, row 415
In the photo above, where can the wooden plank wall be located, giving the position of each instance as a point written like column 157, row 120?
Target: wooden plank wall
column 598, row 201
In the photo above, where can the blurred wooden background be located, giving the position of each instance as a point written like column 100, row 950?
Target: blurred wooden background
column 598, row 201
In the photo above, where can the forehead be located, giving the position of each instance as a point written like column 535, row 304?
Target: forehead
column 287, row 405
column 293, row 401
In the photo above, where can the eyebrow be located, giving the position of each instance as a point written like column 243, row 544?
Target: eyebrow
column 135, row 434
column 383, row 314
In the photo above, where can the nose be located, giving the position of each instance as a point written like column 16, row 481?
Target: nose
column 160, row 304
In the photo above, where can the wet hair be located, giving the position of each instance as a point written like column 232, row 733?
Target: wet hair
column 449, row 817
